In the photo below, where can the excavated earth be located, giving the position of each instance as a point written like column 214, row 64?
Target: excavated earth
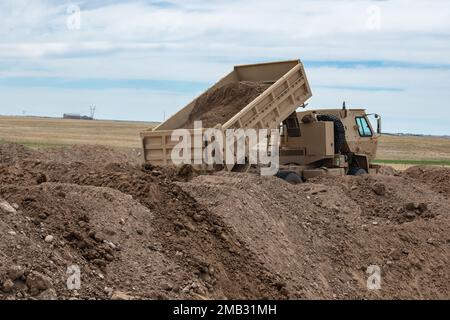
column 217, row 106
column 142, row 232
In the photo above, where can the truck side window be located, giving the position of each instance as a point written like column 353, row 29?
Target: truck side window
column 363, row 127
column 293, row 126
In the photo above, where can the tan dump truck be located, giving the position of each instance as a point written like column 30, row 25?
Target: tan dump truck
column 311, row 143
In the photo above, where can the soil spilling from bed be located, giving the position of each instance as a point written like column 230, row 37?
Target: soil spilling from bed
column 217, row 106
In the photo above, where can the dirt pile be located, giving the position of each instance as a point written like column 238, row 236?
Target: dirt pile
column 92, row 155
column 147, row 232
column 220, row 105
column 388, row 171
column 129, row 229
column 320, row 237
column 437, row 178
column 10, row 153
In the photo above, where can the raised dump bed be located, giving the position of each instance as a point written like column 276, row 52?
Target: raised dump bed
column 272, row 92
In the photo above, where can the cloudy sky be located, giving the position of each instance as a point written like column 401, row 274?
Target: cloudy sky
column 139, row 60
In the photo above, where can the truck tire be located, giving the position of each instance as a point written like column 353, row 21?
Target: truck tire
column 241, row 168
column 339, row 130
column 356, row 171
column 290, row 176
column 294, row 178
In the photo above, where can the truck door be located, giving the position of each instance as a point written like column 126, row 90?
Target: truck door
column 367, row 141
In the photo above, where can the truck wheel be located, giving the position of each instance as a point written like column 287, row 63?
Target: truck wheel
column 294, row 178
column 290, row 176
column 241, row 168
column 339, row 130
column 356, row 171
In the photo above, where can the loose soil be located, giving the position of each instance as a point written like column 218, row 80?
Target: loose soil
column 142, row 232
column 217, row 106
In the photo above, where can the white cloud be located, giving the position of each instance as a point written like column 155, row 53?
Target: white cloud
column 201, row 40
column 321, row 28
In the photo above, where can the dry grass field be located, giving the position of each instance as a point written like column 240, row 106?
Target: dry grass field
column 405, row 151
column 47, row 132
column 400, row 152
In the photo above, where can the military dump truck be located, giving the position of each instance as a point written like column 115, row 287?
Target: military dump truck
column 312, row 143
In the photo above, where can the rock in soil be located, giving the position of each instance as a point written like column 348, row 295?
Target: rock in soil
column 6, row 207
column 49, row 294
column 8, row 285
column 379, row 189
column 117, row 295
column 15, row 272
column 37, row 281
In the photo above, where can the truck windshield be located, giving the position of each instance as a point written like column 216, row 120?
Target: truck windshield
column 363, row 127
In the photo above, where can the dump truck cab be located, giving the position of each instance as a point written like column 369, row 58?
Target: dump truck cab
column 329, row 141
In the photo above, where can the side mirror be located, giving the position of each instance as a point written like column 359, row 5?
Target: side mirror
column 378, row 117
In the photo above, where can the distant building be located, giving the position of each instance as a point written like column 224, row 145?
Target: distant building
column 74, row 116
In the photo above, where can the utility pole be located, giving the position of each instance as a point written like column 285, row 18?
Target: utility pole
column 92, row 112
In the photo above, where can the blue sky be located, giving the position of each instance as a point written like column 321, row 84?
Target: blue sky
column 139, row 60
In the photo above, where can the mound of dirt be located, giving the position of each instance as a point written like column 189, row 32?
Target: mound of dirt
column 388, row 171
column 220, row 105
column 437, row 178
column 320, row 237
column 130, row 230
column 10, row 153
column 91, row 155
column 147, row 232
